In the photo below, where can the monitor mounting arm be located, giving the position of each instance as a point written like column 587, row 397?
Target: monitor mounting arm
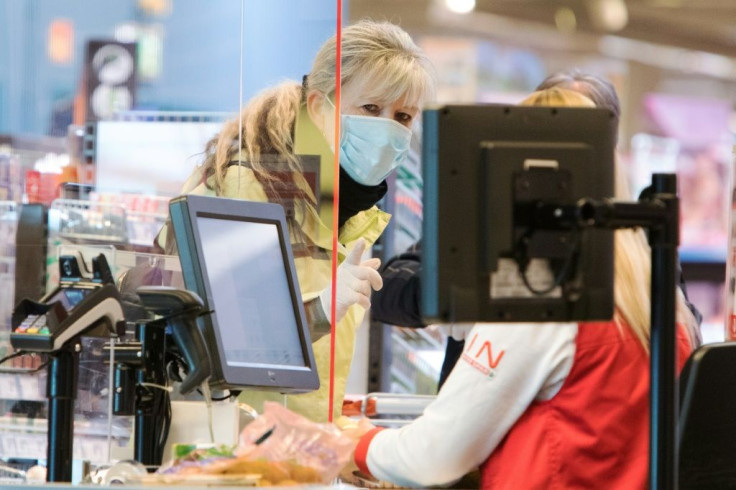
column 657, row 211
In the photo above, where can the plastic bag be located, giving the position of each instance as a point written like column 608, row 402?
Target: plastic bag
column 280, row 435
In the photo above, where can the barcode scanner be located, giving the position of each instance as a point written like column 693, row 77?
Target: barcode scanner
column 180, row 309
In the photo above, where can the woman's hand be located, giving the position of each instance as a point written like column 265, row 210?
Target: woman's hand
column 355, row 430
column 355, row 280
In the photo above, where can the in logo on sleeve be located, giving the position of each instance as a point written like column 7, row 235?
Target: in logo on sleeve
column 482, row 357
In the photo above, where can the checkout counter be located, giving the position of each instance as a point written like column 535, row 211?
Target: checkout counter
column 152, row 334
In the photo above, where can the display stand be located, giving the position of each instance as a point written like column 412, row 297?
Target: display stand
column 61, row 391
column 140, row 371
column 139, row 366
column 62, row 378
column 54, row 326
column 149, row 422
column 658, row 211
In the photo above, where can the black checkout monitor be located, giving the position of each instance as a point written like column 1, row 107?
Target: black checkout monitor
column 236, row 255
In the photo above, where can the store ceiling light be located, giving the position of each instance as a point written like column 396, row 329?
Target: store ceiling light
column 460, row 6
column 608, row 15
column 60, row 41
column 565, row 20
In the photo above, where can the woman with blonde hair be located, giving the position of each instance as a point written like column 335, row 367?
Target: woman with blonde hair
column 385, row 79
column 562, row 405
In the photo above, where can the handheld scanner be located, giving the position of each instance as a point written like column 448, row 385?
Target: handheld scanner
column 49, row 325
column 181, row 309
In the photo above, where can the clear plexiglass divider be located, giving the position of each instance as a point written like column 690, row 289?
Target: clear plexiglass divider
column 145, row 214
column 90, row 221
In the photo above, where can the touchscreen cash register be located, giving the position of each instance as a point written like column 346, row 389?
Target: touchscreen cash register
column 237, row 256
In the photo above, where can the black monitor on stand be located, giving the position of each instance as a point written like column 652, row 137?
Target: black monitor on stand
column 510, row 197
column 485, row 169
column 236, row 255
column 239, row 325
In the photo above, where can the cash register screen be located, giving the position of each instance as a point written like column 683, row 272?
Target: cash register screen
column 236, row 255
column 251, row 289
column 69, row 297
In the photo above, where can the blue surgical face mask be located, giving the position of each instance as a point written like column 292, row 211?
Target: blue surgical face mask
column 372, row 147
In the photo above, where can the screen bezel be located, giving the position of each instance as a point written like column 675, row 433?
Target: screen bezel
column 62, row 291
column 184, row 212
column 458, row 142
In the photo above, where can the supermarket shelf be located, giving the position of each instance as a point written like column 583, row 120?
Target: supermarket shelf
column 22, row 387
column 21, row 437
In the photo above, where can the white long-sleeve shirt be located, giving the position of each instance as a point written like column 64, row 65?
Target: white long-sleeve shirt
column 503, row 369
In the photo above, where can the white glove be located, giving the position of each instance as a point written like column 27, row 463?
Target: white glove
column 355, row 279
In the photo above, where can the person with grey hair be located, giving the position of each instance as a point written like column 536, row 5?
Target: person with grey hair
column 598, row 89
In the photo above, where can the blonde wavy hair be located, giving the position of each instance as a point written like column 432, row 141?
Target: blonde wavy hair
column 632, row 255
column 377, row 51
